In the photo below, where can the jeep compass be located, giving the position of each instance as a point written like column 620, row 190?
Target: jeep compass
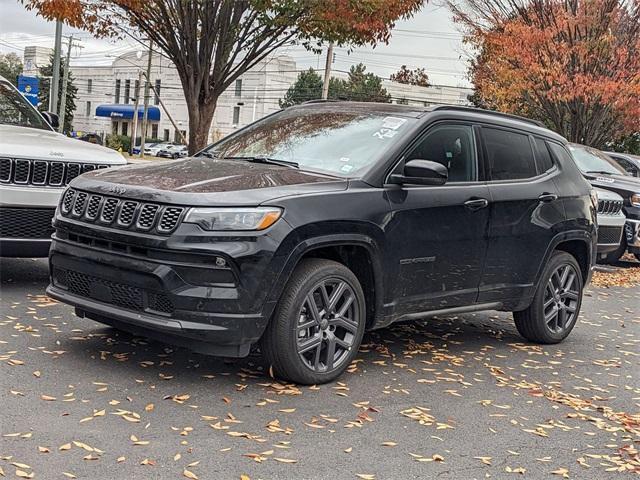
column 310, row 226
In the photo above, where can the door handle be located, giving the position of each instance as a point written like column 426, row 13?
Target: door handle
column 548, row 197
column 476, row 203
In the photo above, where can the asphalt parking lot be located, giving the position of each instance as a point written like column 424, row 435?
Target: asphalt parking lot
column 454, row 398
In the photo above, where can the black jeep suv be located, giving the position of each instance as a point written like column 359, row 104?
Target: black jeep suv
column 314, row 224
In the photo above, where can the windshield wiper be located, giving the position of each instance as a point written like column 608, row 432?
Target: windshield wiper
column 209, row 154
column 271, row 161
column 599, row 172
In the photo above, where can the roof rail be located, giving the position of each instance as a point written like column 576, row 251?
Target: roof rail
column 489, row 112
column 320, row 100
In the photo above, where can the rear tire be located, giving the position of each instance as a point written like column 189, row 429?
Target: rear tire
column 318, row 324
column 556, row 303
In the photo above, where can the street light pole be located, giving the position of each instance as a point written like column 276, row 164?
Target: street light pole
column 145, row 114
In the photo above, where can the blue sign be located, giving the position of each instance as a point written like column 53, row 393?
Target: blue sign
column 29, row 87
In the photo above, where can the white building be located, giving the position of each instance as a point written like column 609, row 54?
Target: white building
column 34, row 58
column 111, row 90
column 106, row 96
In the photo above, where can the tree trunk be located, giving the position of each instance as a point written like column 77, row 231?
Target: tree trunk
column 200, row 118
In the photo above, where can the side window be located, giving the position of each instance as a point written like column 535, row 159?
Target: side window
column 543, row 157
column 509, row 154
column 451, row 145
column 560, row 153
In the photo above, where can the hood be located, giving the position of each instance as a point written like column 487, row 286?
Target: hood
column 34, row 143
column 207, row 181
column 624, row 185
column 607, row 195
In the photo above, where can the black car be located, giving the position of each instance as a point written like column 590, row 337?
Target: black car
column 602, row 171
column 630, row 163
column 314, row 224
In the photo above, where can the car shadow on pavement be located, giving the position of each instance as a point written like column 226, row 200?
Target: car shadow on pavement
column 110, row 350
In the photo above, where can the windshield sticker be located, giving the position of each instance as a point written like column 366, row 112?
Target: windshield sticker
column 344, row 159
column 385, row 133
column 393, row 122
column 346, row 168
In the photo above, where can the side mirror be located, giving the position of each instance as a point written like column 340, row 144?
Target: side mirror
column 421, row 172
column 52, row 119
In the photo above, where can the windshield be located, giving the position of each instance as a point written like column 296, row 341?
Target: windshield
column 16, row 110
column 590, row 160
column 344, row 143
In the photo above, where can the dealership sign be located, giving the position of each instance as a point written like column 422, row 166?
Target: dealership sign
column 29, row 87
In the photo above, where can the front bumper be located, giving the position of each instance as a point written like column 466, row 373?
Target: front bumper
column 208, row 293
column 632, row 234
column 610, row 231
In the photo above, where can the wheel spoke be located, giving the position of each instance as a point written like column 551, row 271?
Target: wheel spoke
column 313, row 308
column 345, row 306
column 548, row 302
column 571, row 295
column 551, row 318
column 344, row 323
column 562, row 318
column 564, row 276
column 331, row 353
column 337, row 293
column 568, row 281
column 343, row 343
column 325, row 296
column 310, row 343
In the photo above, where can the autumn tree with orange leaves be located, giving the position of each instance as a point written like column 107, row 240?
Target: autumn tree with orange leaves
column 213, row 42
column 574, row 64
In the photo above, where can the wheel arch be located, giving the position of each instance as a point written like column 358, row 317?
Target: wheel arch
column 578, row 243
column 359, row 252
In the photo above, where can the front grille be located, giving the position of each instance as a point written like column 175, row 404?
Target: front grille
column 24, row 171
column 26, row 222
column 119, row 213
column 609, row 235
column 115, row 293
column 609, row 207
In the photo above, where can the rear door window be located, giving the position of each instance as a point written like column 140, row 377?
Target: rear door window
column 509, row 154
column 543, row 157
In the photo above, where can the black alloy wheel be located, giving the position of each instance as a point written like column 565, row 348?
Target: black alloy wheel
column 327, row 325
column 318, row 324
column 556, row 303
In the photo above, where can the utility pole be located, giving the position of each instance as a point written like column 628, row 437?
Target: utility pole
column 134, row 129
column 327, row 72
column 145, row 114
column 65, row 80
column 175, row 125
column 53, row 87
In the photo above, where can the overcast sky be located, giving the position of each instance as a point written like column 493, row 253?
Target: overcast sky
column 428, row 40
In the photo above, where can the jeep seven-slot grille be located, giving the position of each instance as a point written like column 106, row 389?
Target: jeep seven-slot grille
column 24, row 171
column 609, row 207
column 122, row 295
column 128, row 214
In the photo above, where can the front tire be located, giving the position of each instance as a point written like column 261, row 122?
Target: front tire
column 556, row 303
column 318, row 324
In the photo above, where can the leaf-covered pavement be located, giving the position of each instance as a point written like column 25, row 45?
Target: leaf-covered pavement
column 451, row 398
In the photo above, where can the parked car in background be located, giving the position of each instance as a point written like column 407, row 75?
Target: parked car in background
column 91, row 138
column 631, row 163
column 152, row 150
column 326, row 219
column 611, row 222
column 602, row 171
column 36, row 163
column 174, row 151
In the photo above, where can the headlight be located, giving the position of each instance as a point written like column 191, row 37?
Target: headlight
column 635, row 199
column 213, row 219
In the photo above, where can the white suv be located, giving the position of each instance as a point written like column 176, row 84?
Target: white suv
column 36, row 163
